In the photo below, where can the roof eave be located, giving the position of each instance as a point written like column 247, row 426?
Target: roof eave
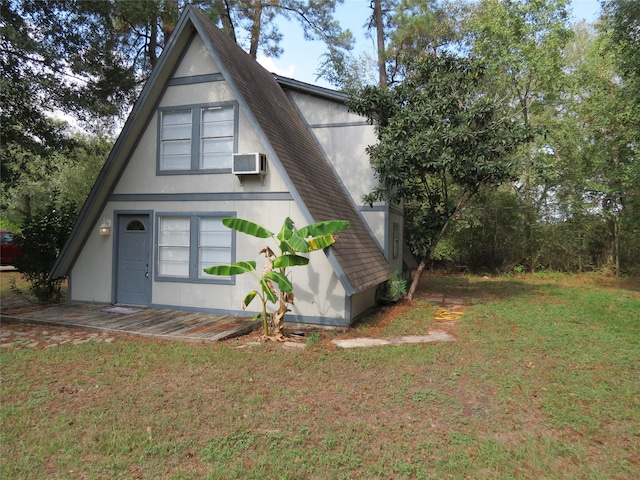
column 310, row 89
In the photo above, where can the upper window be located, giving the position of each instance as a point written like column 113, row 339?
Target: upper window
column 189, row 243
column 175, row 140
column 198, row 138
column 216, row 137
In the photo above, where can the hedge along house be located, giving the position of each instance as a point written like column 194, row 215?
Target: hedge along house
column 214, row 135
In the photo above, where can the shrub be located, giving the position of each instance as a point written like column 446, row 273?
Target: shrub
column 42, row 238
column 395, row 288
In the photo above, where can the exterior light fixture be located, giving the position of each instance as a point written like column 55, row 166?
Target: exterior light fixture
column 105, row 227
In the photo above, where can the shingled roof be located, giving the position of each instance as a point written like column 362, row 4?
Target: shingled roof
column 356, row 257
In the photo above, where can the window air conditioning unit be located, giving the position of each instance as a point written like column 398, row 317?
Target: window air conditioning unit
column 249, row 164
column 246, row 165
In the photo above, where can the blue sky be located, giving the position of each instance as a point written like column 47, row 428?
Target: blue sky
column 301, row 58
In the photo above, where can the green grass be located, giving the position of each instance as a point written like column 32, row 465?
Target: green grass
column 543, row 381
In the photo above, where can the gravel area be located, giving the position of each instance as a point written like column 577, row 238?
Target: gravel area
column 25, row 337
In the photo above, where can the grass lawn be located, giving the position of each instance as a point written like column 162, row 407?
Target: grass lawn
column 543, row 381
column 7, row 279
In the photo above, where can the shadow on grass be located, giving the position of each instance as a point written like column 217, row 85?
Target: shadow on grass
column 479, row 289
column 476, row 289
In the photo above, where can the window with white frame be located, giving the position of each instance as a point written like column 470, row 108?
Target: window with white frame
column 189, row 243
column 197, row 138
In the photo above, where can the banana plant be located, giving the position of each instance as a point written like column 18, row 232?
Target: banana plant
column 274, row 285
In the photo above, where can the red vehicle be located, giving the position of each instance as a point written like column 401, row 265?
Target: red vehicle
column 8, row 249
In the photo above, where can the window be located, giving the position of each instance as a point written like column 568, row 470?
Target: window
column 395, row 246
column 216, row 135
column 135, row 225
column 197, row 138
column 173, row 247
column 175, row 143
column 189, row 243
column 214, row 244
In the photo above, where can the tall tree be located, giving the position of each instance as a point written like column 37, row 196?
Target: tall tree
column 522, row 42
column 56, row 56
column 253, row 23
column 441, row 140
column 422, row 26
column 67, row 172
column 608, row 153
column 621, row 23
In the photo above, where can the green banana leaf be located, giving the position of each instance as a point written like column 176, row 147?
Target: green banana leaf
column 318, row 243
column 287, row 229
column 245, row 226
column 323, row 228
column 285, row 261
column 248, row 299
column 294, row 244
column 237, row 268
column 266, row 288
column 283, row 282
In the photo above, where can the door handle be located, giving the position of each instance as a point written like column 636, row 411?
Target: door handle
column 146, row 275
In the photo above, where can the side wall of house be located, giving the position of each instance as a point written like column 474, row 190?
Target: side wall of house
column 344, row 137
column 319, row 294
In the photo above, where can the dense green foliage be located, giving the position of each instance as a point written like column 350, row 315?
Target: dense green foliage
column 42, row 238
column 67, row 173
column 574, row 202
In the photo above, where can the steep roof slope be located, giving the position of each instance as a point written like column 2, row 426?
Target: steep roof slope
column 356, row 257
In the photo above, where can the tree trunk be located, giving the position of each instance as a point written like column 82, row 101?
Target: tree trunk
column 416, row 278
column 227, row 25
column 169, row 19
column 153, row 43
column 255, row 30
column 379, row 23
column 462, row 203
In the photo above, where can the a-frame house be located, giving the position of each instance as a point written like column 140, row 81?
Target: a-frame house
column 213, row 135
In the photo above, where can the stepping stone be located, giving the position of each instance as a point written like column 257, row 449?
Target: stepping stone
column 433, row 298
column 360, row 342
column 433, row 336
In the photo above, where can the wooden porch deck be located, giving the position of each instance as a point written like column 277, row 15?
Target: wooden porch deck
column 147, row 322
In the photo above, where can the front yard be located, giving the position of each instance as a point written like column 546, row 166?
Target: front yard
column 542, row 381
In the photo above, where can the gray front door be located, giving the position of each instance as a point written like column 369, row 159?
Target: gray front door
column 133, row 277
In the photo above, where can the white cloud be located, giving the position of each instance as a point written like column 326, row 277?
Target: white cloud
column 271, row 65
